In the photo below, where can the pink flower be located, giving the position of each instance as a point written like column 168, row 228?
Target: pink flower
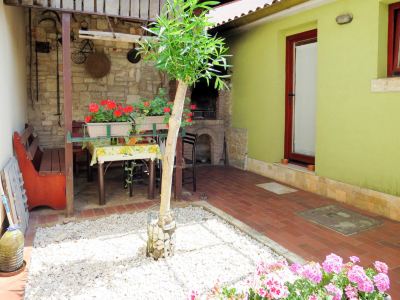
column 296, row 268
column 366, row 286
column 312, row 271
column 334, row 291
column 276, row 287
column 313, row 297
column 382, row 282
column 333, row 264
column 193, row 295
column 351, row 292
column 193, row 106
column 381, row 267
column 263, row 292
column 354, row 259
column 357, row 275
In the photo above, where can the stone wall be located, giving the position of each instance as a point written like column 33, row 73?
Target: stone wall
column 236, row 138
column 126, row 82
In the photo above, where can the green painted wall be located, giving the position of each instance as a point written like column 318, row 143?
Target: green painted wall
column 358, row 132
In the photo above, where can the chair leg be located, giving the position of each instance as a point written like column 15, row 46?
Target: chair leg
column 194, row 178
column 74, row 164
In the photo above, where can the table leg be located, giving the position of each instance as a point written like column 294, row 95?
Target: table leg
column 100, row 171
column 151, row 179
column 89, row 173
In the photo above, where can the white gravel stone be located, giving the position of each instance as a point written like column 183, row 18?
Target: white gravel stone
column 105, row 258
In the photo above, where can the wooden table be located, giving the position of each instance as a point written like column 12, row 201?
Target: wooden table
column 102, row 152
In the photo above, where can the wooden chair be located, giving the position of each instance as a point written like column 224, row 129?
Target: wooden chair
column 189, row 161
column 43, row 171
column 190, row 140
column 78, row 151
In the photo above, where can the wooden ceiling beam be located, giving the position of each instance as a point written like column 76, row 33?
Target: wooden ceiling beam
column 112, row 36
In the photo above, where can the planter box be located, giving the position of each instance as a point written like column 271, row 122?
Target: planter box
column 146, row 123
column 116, row 129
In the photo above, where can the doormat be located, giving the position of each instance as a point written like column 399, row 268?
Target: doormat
column 339, row 219
column 276, row 188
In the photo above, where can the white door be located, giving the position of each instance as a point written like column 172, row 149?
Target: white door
column 305, row 99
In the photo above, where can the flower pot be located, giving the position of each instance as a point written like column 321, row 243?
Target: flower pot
column 146, row 123
column 116, row 129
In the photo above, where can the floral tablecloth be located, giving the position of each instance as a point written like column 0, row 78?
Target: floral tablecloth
column 102, row 151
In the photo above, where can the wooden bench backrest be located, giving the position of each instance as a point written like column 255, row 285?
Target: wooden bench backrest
column 31, row 143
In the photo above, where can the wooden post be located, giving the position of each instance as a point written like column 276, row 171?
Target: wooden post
column 67, row 82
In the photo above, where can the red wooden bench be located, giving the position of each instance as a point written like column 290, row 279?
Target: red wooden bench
column 43, row 171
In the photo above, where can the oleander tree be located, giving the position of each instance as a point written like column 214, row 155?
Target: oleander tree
column 184, row 49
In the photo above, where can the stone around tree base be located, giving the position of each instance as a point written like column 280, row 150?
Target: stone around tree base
column 160, row 236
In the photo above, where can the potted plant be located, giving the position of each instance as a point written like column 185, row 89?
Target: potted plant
column 158, row 111
column 109, row 119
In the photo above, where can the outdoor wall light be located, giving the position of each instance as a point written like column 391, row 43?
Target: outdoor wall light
column 344, row 19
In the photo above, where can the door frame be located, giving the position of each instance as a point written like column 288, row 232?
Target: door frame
column 291, row 41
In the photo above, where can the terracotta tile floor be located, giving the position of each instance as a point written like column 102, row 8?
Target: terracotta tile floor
column 234, row 191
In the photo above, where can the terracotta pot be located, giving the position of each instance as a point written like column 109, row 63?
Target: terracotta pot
column 284, row 161
column 146, row 123
column 116, row 129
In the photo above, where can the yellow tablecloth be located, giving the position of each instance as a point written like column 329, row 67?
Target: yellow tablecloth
column 102, row 151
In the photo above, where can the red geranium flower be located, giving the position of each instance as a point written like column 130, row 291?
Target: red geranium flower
column 190, row 114
column 167, row 109
column 189, row 120
column 117, row 113
column 128, row 109
column 146, row 104
column 104, row 102
column 111, row 104
column 93, row 107
column 88, row 119
column 193, row 106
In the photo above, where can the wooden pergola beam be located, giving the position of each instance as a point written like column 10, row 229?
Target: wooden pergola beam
column 67, row 83
column 112, row 36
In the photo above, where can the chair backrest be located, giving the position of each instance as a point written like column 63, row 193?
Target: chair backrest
column 77, row 128
column 190, row 138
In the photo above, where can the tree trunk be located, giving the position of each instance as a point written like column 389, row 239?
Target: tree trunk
column 169, row 156
column 161, row 230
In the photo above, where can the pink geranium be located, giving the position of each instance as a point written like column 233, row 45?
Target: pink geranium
column 381, row 267
column 333, row 264
column 312, row 271
column 382, row 282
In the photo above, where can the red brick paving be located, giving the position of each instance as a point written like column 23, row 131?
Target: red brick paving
column 234, row 191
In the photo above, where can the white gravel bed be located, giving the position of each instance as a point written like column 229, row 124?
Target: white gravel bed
column 105, row 258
